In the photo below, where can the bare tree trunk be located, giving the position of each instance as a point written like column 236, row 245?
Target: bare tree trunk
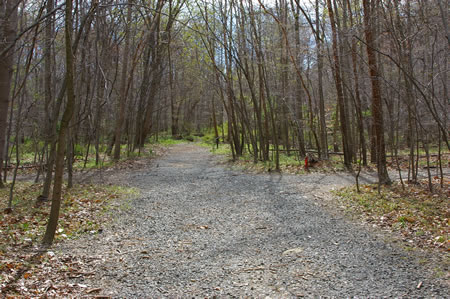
column 98, row 116
column 172, row 96
column 339, row 90
column 59, row 169
column 122, row 100
column 212, row 51
column 263, row 124
column 358, row 104
column 69, row 157
column 323, row 125
column 345, row 67
column 377, row 108
column 56, row 109
column 8, row 29
column 300, row 133
column 48, row 86
column 284, row 79
column 233, row 123
column 17, row 138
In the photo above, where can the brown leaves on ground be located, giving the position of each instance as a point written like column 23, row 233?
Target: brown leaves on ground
column 404, row 161
column 420, row 216
column 38, row 273
column 27, row 269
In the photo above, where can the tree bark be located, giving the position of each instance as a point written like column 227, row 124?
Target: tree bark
column 8, row 31
column 339, row 90
column 67, row 115
column 358, row 104
column 323, row 125
column 56, row 109
column 122, row 100
column 377, row 108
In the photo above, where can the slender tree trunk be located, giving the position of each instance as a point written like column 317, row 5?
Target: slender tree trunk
column 173, row 108
column 123, row 87
column 56, row 109
column 65, row 121
column 358, row 104
column 98, row 118
column 335, row 130
column 300, row 133
column 148, row 118
column 212, row 51
column 284, row 79
column 69, row 157
column 17, row 138
column 339, row 90
column 345, row 67
column 260, row 103
column 233, row 123
column 377, row 108
column 48, row 81
column 323, row 125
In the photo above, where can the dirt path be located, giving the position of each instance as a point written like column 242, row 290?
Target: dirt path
column 202, row 230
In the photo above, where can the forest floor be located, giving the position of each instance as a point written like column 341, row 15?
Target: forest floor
column 202, row 228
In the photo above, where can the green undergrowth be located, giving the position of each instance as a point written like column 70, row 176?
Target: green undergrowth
column 420, row 216
column 168, row 140
column 29, row 161
column 105, row 160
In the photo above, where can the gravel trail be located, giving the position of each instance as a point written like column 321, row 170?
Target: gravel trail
column 203, row 230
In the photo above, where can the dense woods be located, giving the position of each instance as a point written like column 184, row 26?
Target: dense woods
column 360, row 79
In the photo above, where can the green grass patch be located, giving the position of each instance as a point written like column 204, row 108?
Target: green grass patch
column 168, row 140
column 105, row 160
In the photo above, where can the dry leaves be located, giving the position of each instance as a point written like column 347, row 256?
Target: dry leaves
column 420, row 216
column 27, row 269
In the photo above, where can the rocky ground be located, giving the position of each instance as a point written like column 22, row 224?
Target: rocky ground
column 201, row 229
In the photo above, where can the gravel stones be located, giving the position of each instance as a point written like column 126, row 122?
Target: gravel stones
column 202, row 230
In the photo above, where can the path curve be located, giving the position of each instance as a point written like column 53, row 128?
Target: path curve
column 203, row 230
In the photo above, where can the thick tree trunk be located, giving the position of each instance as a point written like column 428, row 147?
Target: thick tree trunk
column 8, row 28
